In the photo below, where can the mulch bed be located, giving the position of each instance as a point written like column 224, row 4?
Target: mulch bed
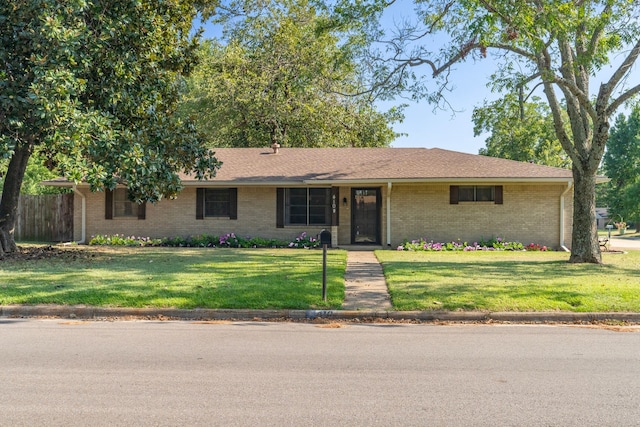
column 28, row 253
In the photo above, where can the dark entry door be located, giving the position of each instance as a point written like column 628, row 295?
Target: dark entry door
column 365, row 215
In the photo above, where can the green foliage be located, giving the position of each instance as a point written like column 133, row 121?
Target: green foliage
column 283, row 75
column 122, row 240
column 35, row 173
column 520, row 131
column 622, row 165
column 493, row 244
column 94, row 85
column 229, row 240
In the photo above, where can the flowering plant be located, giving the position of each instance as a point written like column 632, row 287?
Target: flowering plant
column 304, row 241
column 621, row 225
column 494, row 244
column 122, row 240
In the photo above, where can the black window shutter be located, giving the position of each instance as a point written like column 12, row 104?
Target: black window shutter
column 280, row 208
column 335, row 205
column 498, row 194
column 108, row 204
column 233, row 203
column 199, row 203
column 142, row 210
column 453, row 195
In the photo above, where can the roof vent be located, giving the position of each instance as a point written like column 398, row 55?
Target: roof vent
column 276, row 148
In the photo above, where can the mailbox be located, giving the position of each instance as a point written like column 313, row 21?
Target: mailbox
column 325, row 237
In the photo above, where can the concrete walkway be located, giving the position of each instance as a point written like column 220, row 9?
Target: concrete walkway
column 366, row 288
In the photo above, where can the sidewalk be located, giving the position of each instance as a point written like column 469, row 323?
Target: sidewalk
column 365, row 286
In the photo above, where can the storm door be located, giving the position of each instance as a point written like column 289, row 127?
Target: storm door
column 365, row 216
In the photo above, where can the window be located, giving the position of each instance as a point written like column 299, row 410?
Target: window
column 476, row 193
column 118, row 205
column 122, row 206
column 304, row 206
column 216, row 202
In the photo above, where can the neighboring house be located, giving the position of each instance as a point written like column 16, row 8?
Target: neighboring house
column 602, row 217
column 376, row 196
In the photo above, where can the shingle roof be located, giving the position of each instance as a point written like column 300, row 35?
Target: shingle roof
column 306, row 165
column 260, row 166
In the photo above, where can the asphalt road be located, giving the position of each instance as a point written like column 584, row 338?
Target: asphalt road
column 72, row 373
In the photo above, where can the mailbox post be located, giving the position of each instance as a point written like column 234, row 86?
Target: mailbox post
column 609, row 227
column 325, row 240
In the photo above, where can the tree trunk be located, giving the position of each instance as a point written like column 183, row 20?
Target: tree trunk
column 10, row 196
column 584, row 242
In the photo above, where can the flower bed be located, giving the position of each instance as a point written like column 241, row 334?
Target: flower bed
column 494, row 244
column 229, row 240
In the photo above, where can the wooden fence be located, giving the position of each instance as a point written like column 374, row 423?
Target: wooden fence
column 45, row 218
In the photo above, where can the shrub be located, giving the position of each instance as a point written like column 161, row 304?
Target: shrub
column 536, row 247
column 122, row 240
column 229, row 240
column 493, row 244
column 304, row 241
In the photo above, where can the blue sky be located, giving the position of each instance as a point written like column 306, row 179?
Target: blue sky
column 446, row 129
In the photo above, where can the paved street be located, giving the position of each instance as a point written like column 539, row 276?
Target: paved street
column 72, row 373
column 624, row 243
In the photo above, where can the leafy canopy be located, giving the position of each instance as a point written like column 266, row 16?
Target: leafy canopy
column 519, row 130
column 94, row 84
column 622, row 165
column 283, row 74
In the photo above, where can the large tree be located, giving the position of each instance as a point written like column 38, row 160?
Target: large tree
column 93, row 85
column 622, row 165
column 581, row 53
column 519, row 130
column 281, row 73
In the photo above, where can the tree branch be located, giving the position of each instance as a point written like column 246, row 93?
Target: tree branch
column 607, row 88
column 622, row 99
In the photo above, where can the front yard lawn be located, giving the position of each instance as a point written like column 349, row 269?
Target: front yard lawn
column 176, row 277
column 511, row 281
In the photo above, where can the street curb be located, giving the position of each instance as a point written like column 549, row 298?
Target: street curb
column 98, row 313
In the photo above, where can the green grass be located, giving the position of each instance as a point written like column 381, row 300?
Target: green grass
column 511, row 281
column 178, row 278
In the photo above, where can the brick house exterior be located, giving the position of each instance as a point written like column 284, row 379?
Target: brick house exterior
column 379, row 196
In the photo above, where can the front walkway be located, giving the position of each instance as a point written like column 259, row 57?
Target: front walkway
column 366, row 288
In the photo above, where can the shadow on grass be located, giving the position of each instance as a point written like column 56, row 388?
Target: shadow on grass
column 524, row 285
column 181, row 278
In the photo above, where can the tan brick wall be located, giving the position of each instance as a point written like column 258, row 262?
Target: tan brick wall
column 177, row 217
column 530, row 213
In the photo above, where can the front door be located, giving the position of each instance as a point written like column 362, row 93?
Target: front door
column 365, row 216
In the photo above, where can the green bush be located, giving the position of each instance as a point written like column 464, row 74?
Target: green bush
column 493, row 244
column 229, row 240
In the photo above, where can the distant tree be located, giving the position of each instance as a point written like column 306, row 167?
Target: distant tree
column 35, row 173
column 622, row 165
column 283, row 76
column 519, row 130
column 93, row 85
